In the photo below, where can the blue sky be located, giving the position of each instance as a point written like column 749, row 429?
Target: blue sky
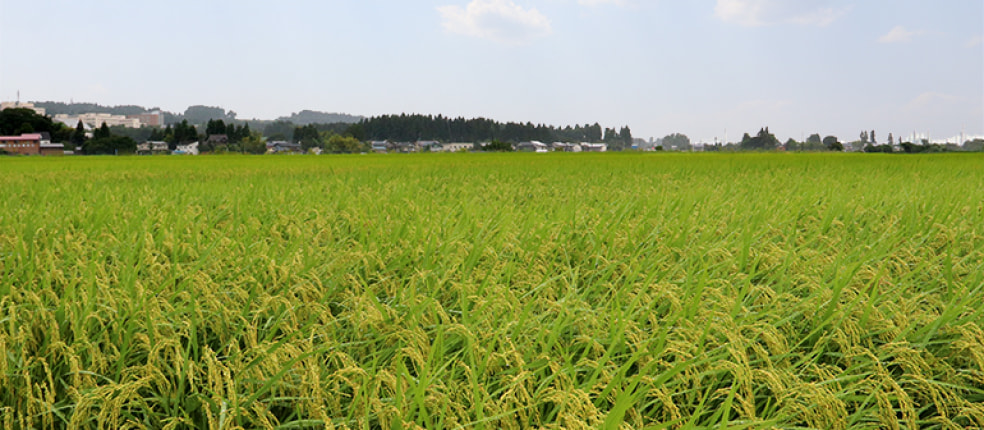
column 703, row 68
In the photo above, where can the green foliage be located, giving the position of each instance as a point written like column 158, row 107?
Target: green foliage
column 309, row 117
column 879, row 148
column 344, row 145
column 199, row 114
column 279, row 130
column 78, row 135
column 763, row 141
column 832, row 144
column 183, row 133
column 308, row 136
column 14, row 121
column 974, row 145
column 677, row 141
column 253, row 143
column 912, row 148
column 108, row 145
column 102, row 132
column 497, row 146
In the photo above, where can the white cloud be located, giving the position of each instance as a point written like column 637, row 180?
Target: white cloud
column 498, row 20
column 974, row 41
column 758, row 13
column 931, row 99
column 898, row 34
column 602, row 2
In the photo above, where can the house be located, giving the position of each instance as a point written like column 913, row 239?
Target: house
column 532, row 146
column 52, row 149
column 25, row 144
column 380, row 146
column 152, row 147
column 594, row 147
column 217, row 139
column 280, row 146
column 428, row 145
column 566, row 147
column 405, row 147
column 455, row 147
column 189, row 149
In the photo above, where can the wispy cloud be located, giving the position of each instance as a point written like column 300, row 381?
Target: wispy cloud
column 931, row 99
column 758, row 13
column 499, row 20
column 602, row 2
column 974, row 41
column 898, row 34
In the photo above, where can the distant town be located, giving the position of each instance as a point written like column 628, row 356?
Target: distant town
column 59, row 129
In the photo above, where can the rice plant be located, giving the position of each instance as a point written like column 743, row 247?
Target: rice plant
column 493, row 291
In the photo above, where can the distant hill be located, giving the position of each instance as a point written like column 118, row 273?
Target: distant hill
column 306, row 117
column 55, row 108
column 195, row 115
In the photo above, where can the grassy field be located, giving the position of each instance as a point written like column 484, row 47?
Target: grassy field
column 493, row 291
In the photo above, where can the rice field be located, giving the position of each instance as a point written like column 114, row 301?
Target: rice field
column 488, row 291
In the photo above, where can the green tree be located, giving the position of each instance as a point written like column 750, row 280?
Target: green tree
column 974, row 145
column 101, row 132
column 216, row 126
column 78, row 137
column 253, row 143
column 678, row 141
column 22, row 120
column 337, row 144
column 308, row 136
column 497, row 146
column 764, row 140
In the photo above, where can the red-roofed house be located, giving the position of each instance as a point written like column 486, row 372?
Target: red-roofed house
column 25, row 144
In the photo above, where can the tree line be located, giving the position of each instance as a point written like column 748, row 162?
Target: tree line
column 416, row 127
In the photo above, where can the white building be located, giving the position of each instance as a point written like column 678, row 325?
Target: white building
column 455, row 147
column 594, row 147
column 19, row 105
column 189, row 149
column 96, row 120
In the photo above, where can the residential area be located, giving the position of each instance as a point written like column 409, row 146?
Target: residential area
column 26, row 128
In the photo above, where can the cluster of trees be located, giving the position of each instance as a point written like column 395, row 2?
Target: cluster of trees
column 815, row 143
column 17, row 121
column 764, row 140
column 105, row 142
column 307, row 117
column 330, row 138
column 427, row 127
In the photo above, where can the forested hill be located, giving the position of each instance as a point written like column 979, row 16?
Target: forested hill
column 306, row 117
column 55, row 108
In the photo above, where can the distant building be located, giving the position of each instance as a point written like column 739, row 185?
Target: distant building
column 189, row 149
column 218, row 139
column 96, row 120
column 20, row 105
column 150, row 119
column 455, row 147
column 279, row 146
column 566, row 147
column 594, row 147
column 532, row 146
column 56, row 149
column 152, row 147
column 380, row 146
column 25, row 144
